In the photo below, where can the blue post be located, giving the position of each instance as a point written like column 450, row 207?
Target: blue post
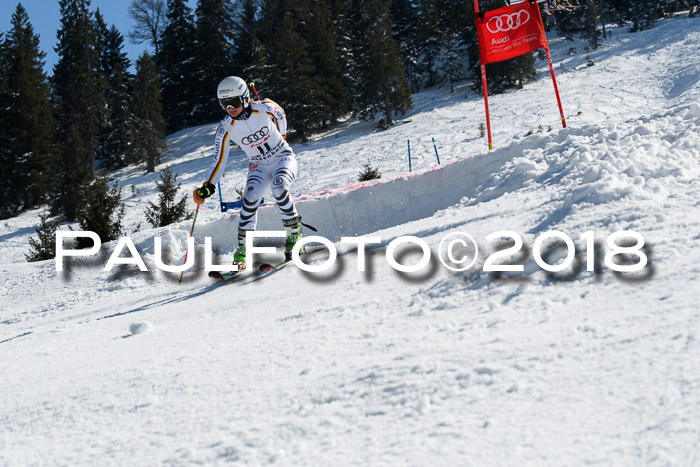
column 225, row 206
column 409, row 155
column 221, row 199
column 436, row 153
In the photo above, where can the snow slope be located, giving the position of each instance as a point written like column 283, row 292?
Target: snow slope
column 382, row 368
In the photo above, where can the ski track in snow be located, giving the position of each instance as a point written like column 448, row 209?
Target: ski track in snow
column 376, row 367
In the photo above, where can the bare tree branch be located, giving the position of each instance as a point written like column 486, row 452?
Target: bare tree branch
column 149, row 17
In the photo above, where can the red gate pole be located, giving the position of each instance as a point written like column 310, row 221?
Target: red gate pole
column 554, row 79
column 252, row 85
column 556, row 89
column 483, row 85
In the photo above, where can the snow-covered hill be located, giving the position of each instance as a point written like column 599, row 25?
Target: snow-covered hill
column 382, row 368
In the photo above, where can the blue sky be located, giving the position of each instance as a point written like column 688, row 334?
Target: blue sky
column 44, row 17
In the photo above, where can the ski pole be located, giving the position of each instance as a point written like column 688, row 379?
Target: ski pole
column 221, row 198
column 252, row 85
column 188, row 250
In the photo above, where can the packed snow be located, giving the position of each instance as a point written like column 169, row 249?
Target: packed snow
column 377, row 367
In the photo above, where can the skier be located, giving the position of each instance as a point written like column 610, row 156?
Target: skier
column 260, row 129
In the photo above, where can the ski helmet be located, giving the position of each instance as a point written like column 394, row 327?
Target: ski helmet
column 233, row 92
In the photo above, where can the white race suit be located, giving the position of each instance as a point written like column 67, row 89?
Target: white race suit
column 272, row 162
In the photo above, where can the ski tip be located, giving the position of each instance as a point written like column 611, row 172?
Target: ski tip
column 283, row 264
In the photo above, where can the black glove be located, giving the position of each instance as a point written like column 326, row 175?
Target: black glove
column 200, row 194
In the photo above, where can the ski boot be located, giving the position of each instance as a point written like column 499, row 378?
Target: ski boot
column 239, row 255
column 293, row 228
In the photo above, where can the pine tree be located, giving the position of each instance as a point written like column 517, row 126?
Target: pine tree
column 353, row 41
column 148, row 115
column 249, row 54
column 114, row 70
column 406, row 27
column 590, row 27
column 512, row 73
column 167, row 211
column 5, row 156
column 328, row 62
column 213, row 57
column 368, row 173
column 76, row 80
column 694, row 7
column 453, row 16
column 453, row 22
column 27, row 155
column 615, row 10
column 643, row 14
column 383, row 85
column 452, row 67
column 73, row 174
column 570, row 22
column 44, row 246
column 307, row 68
column 176, row 66
column 299, row 89
column 101, row 211
column 346, row 21
column 430, row 39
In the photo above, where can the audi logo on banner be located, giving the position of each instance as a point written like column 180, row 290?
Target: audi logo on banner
column 508, row 22
column 257, row 136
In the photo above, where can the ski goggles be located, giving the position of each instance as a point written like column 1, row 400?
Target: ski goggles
column 235, row 102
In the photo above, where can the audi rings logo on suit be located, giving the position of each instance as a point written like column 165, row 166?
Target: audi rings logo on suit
column 257, row 136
